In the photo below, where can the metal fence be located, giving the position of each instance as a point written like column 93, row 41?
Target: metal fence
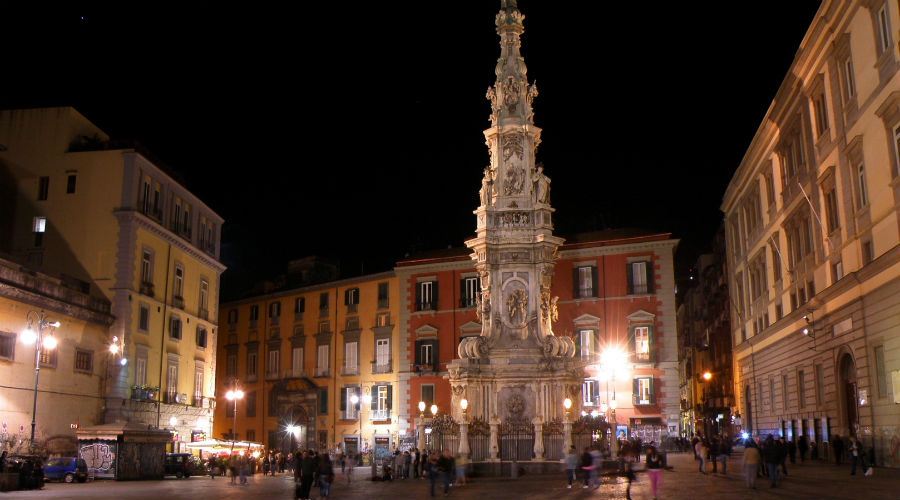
column 479, row 440
column 516, row 441
column 553, row 440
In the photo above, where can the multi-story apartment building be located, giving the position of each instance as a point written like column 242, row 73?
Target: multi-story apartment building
column 616, row 289
column 812, row 233
column 111, row 221
column 317, row 365
column 704, row 348
column 71, row 373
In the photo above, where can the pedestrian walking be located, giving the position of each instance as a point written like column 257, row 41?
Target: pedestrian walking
column 571, row 465
column 724, row 453
column 431, row 470
column 596, row 464
column 714, row 453
column 772, row 459
column 233, row 467
column 446, row 465
column 702, row 449
column 414, row 462
column 782, row 448
column 243, row 469
column 654, row 470
column 751, row 463
column 462, row 463
column 838, row 444
column 325, row 474
column 349, row 461
column 856, row 456
column 587, row 463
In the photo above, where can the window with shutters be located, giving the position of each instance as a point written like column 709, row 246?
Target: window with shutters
column 178, row 287
column 862, row 193
column 382, row 355
column 640, row 278
column 427, row 354
column 881, row 382
column 382, row 319
column 171, row 380
column 643, row 391
column 201, row 337
column 254, row 316
column 587, row 343
column 468, row 293
column 175, row 328
column 198, row 385
column 299, row 305
column 801, row 390
column 821, row 114
column 252, row 362
column 383, row 297
column 381, row 402
column 426, row 394
column 203, row 307
column 323, row 304
column 349, row 410
column 322, row 360
column 84, row 361
column 589, row 393
column 7, row 346
column 144, row 318
column 297, row 361
column 351, row 300
column 642, row 343
column 426, row 296
column 323, row 400
column 273, row 365
column 585, row 276
column 275, row 311
column 351, row 358
column 147, row 272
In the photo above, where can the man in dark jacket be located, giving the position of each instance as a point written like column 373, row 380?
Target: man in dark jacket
column 782, row 447
column 838, row 445
column 446, row 465
column 802, row 447
column 714, row 452
column 304, row 474
column 772, row 458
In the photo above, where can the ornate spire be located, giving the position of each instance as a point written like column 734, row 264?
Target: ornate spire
column 511, row 96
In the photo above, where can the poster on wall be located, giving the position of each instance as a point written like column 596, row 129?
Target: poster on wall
column 100, row 457
column 621, row 431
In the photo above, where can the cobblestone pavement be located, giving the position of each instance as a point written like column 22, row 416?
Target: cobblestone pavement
column 809, row 480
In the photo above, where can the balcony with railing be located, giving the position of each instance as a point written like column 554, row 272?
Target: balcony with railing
column 274, row 320
column 321, row 372
column 350, row 370
column 382, row 367
column 349, row 415
column 380, row 414
column 272, row 375
column 352, row 308
column 300, row 373
column 178, row 302
column 203, row 313
column 467, row 302
column 384, row 303
column 146, row 288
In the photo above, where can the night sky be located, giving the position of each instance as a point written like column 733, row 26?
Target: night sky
column 354, row 129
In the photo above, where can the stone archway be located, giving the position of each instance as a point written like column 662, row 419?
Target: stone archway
column 847, row 395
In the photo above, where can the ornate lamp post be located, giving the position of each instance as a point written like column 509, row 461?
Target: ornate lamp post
column 464, row 429
column 234, row 395
column 420, row 428
column 28, row 337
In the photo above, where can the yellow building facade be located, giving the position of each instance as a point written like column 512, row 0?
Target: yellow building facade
column 71, row 374
column 115, row 224
column 317, row 366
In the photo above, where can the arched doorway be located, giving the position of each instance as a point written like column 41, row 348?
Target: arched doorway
column 847, row 395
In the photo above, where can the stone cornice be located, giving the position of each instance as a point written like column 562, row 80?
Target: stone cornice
column 154, row 227
column 618, row 249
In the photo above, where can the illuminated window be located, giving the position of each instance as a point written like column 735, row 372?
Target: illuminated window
column 643, row 391
column 642, row 343
column 589, row 391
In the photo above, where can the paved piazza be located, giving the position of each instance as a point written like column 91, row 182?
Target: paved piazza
column 810, row 480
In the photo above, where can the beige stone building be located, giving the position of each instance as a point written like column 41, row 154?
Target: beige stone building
column 812, row 240
column 115, row 224
column 71, row 375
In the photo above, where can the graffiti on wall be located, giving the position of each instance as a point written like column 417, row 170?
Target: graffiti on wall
column 100, row 457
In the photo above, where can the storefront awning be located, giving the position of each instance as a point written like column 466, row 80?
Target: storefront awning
column 218, row 445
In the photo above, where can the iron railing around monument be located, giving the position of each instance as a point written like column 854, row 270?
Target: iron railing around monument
column 552, row 434
column 444, row 434
column 516, row 440
column 590, row 431
column 479, row 434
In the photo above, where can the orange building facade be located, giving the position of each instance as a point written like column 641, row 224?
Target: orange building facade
column 616, row 290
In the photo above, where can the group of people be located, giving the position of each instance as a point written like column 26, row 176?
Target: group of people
column 770, row 458
column 30, row 470
column 274, row 463
column 312, row 468
column 711, row 450
column 590, row 462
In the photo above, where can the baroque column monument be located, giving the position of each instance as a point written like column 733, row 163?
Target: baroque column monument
column 517, row 370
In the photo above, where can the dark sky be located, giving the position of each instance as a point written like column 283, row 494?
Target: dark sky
column 354, row 129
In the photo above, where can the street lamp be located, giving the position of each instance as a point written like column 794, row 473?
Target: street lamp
column 464, row 429
column 420, row 428
column 434, row 410
column 49, row 342
column 234, row 395
column 567, row 426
